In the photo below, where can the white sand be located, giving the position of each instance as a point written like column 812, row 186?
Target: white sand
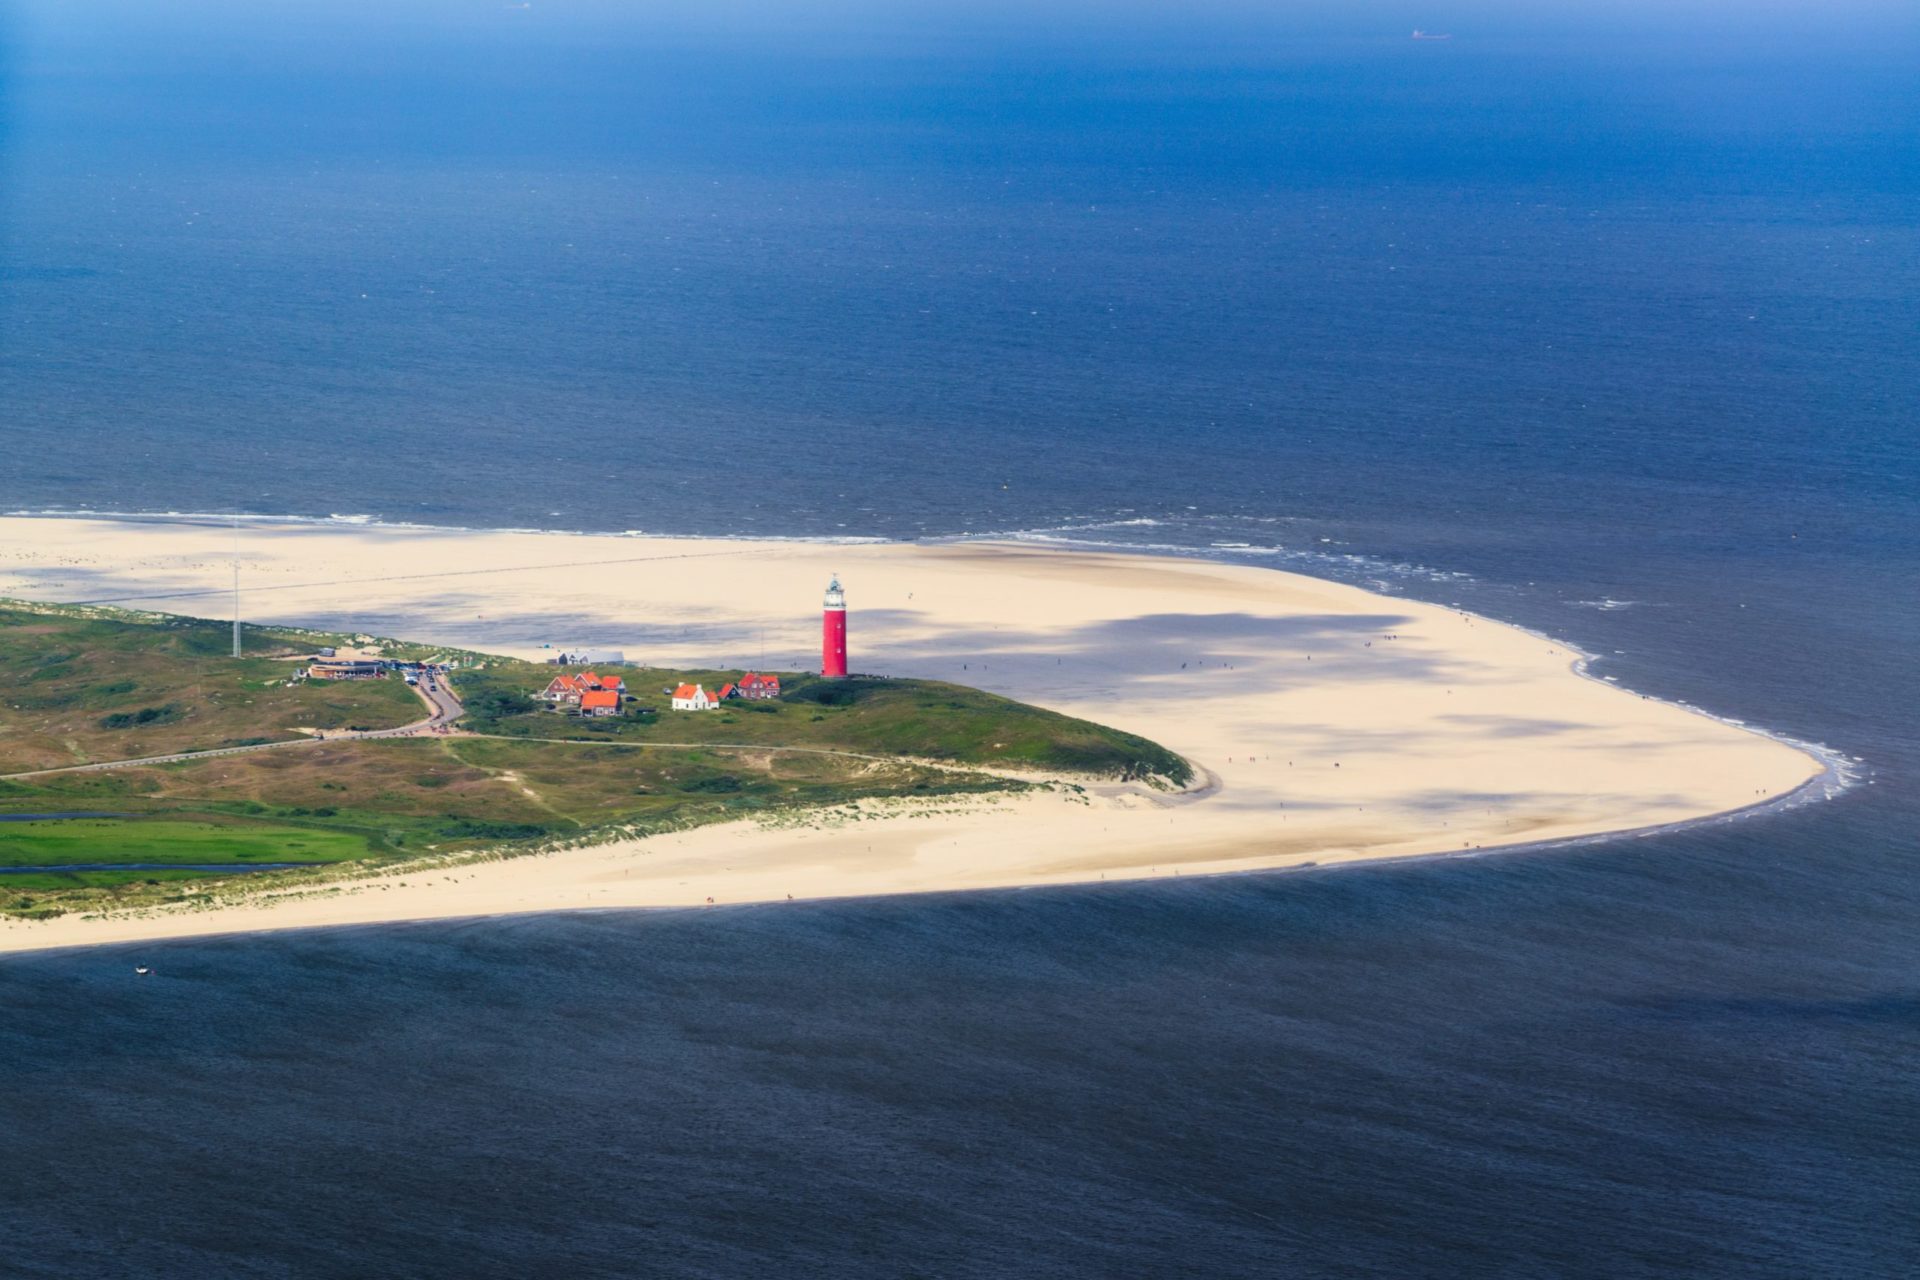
column 1329, row 740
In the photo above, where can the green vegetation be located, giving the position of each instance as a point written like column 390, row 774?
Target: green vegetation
column 918, row 719
column 181, row 847
column 103, row 840
column 85, row 685
column 142, row 718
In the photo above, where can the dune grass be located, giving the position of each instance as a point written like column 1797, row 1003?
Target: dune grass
column 921, row 719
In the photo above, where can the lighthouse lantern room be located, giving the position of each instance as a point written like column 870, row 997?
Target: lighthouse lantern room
column 833, row 632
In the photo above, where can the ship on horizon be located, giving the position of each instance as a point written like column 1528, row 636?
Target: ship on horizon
column 1418, row 34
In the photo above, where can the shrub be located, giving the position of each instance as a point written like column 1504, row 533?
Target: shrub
column 836, row 693
column 491, row 702
column 469, row 829
column 142, row 718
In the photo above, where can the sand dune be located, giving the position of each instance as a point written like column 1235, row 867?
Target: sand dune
column 1337, row 724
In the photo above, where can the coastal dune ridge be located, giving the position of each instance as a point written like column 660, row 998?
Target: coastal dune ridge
column 1327, row 724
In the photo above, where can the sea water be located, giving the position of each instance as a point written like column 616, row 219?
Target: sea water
column 1603, row 324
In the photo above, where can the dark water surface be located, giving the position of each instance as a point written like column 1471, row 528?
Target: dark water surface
column 1603, row 323
column 1642, row 1061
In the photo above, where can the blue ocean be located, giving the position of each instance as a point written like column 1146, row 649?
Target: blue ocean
column 1604, row 320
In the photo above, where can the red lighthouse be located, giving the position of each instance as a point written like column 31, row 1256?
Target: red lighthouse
column 833, row 632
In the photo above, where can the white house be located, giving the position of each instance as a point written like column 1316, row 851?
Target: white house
column 691, row 697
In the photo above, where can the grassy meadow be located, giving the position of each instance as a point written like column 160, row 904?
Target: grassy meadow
column 76, row 687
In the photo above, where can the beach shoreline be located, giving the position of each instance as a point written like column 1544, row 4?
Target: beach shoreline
column 135, row 936
column 1420, row 725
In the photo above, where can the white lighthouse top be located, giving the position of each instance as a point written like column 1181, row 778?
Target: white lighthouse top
column 836, row 598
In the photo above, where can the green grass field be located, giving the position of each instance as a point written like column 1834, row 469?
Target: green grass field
column 101, row 840
column 97, row 843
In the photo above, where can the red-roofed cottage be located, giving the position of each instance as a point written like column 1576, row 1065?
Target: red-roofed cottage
column 600, row 702
column 758, row 687
column 564, row 691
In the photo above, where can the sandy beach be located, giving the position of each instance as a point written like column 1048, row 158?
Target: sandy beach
column 1331, row 723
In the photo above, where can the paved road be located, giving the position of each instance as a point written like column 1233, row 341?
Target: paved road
column 440, row 698
column 443, row 709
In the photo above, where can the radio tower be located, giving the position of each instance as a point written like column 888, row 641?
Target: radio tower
column 833, row 632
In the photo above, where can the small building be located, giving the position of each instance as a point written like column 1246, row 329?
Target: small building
column 691, row 697
column 563, row 691
column 600, row 702
column 346, row 669
column 575, row 657
column 756, row 688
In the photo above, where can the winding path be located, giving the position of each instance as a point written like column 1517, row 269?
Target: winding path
column 442, row 705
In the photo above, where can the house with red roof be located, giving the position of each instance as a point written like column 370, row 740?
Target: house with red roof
column 758, row 687
column 563, row 691
column 692, row 697
column 600, row 702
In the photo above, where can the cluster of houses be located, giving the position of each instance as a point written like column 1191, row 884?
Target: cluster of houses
column 751, row 686
column 597, row 695
column 587, row 693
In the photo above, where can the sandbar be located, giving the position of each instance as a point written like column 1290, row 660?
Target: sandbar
column 1328, row 723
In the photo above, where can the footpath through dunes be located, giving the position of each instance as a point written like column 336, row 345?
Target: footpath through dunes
column 1333, row 723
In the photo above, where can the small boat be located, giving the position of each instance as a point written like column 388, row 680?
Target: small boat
column 142, row 970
